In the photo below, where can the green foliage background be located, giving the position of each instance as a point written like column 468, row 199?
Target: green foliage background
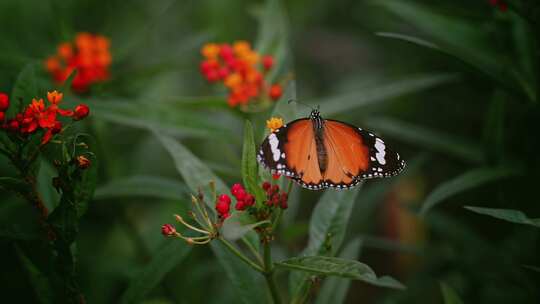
column 452, row 85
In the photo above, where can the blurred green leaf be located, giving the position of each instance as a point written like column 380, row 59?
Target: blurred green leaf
column 18, row 232
column 509, row 215
column 24, row 90
column 39, row 281
column 235, row 227
column 470, row 179
column 380, row 91
column 170, row 120
column 461, row 39
column 194, row 172
column 327, row 229
column 169, row 256
column 331, row 266
column 434, row 140
column 449, row 295
column 142, row 185
column 334, row 289
column 15, row 185
column 250, row 172
column 45, row 186
column 85, row 187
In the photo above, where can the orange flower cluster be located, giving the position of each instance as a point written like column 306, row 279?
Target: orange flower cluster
column 38, row 116
column 241, row 70
column 89, row 54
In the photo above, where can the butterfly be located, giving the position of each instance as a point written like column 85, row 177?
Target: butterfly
column 319, row 153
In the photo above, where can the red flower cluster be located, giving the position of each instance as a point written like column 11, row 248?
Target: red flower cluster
column 503, row 7
column 243, row 201
column 89, row 54
column 238, row 66
column 274, row 197
column 37, row 116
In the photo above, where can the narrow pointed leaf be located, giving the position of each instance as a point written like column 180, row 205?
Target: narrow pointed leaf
column 469, row 180
column 249, row 164
column 449, row 295
column 145, row 186
column 509, row 215
column 331, row 266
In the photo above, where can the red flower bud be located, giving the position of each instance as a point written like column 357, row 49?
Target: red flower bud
column 235, row 188
column 274, row 189
column 225, row 215
column 275, row 92
column 249, row 200
column 2, row 116
column 240, row 205
column 81, row 111
column 4, row 102
column 284, row 205
column 168, row 230
column 212, row 76
column 222, row 208
column 13, row 125
column 226, row 52
column 57, row 127
column 266, row 186
column 276, row 176
column 224, row 198
column 268, row 62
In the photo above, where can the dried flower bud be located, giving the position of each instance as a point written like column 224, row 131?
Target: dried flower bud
column 83, row 162
column 168, row 230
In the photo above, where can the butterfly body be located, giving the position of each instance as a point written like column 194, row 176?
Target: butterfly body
column 320, row 153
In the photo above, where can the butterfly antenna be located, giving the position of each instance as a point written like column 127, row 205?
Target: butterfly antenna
column 301, row 103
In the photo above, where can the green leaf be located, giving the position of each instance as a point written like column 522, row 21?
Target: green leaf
column 24, row 90
column 327, row 229
column 15, row 185
column 19, row 232
column 238, row 225
column 509, row 215
column 449, row 295
column 169, row 256
column 45, row 187
column 249, row 164
column 168, row 118
column 143, row 186
column 85, row 186
column 378, row 92
column 334, row 289
column 194, row 172
column 39, row 281
column 331, row 266
column 469, row 180
column 241, row 276
column 462, row 39
column 434, row 140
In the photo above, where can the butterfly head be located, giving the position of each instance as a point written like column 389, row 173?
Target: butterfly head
column 315, row 116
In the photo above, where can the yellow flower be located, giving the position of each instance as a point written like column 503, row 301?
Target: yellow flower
column 54, row 97
column 210, row 50
column 241, row 48
column 274, row 123
column 233, row 80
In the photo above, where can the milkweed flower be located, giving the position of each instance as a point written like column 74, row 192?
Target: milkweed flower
column 39, row 115
column 274, row 123
column 500, row 4
column 242, row 71
column 89, row 54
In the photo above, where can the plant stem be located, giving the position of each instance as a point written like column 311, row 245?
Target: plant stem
column 239, row 254
column 269, row 274
column 253, row 250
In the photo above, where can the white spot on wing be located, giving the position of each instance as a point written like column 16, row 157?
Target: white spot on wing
column 274, row 143
column 379, row 145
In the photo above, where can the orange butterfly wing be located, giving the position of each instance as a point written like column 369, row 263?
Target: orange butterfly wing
column 348, row 156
